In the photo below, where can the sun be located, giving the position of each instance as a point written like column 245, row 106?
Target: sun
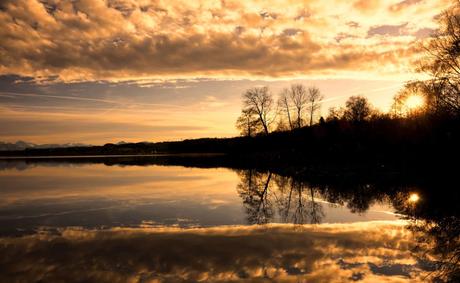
column 415, row 101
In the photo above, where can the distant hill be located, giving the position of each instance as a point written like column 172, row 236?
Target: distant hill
column 21, row 145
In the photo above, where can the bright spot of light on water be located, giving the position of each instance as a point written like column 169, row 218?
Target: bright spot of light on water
column 413, row 198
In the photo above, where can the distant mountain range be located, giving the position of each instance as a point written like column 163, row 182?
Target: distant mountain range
column 21, row 145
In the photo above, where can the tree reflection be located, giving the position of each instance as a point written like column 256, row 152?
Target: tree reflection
column 432, row 215
column 357, row 197
column 268, row 197
column 440, row 240
column 265, row 194
column 254, row 190
column 435, row 223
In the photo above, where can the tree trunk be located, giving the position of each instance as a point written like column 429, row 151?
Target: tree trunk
column 249, row 126
column 289, row 117
column 264, row 124
column 299, row 119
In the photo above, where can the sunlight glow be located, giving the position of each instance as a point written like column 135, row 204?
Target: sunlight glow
column 415, row 101
column 413, row 198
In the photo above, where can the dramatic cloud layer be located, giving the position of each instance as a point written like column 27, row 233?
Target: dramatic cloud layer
column 127, row 39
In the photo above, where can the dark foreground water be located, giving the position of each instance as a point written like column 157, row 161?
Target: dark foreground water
column 83, row 222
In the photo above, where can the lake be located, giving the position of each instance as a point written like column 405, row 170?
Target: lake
column 91, row 221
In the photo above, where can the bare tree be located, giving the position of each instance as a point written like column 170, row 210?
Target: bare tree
column 284, row 105
column 314, row 98
column 357, row 109
column 259, row 101
column 442, row 63
column 335, row 113
column 247, row 123
column 299, row 100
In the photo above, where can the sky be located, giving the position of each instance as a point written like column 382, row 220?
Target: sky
column 105, row 71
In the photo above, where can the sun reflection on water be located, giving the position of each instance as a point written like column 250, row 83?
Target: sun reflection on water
column 414, row 198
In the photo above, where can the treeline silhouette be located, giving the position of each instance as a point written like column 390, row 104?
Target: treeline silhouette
column 383, row 144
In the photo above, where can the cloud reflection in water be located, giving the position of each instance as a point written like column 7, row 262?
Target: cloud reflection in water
column 367, row 252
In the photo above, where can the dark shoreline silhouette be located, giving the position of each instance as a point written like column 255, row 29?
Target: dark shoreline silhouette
column 381, row 146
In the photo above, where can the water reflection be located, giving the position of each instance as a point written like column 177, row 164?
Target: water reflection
column 265, row 194
column 438, row 242
column 268, row 198
column 432, row 215
column 434, row 221
column 95, row 195
column 62, row 221
column 371, row 251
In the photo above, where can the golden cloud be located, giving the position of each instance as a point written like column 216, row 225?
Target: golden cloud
column 125, row 40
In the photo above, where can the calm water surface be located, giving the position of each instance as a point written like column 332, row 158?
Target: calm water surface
column 95, row 196
column 62, row 222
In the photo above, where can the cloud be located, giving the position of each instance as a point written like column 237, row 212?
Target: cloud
column 108, row 124
column 373, row 251
column 393, row 30
column 400, row 30
column 132, row 40
column 403, row 5
column 366, row 6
